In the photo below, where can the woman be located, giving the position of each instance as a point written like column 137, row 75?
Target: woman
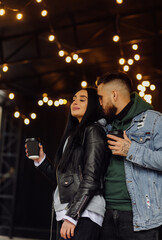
column 80, row 165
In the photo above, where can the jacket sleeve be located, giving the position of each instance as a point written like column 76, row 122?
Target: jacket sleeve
column 95, row 162
column 47, row 169
column 149, row 157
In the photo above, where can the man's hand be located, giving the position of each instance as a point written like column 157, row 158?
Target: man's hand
column 67, row 229
column 120, row 146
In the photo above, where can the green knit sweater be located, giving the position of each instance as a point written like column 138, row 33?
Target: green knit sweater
column 116, row 193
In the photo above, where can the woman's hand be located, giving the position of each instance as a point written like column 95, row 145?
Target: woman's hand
column 67, row 229
column 41, row 153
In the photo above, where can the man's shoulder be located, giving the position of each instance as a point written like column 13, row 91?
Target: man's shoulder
column 149, row 113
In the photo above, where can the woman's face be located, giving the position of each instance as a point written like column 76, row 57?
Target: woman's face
column 79, row 104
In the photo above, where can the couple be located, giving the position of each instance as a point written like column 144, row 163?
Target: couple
column 126, row 171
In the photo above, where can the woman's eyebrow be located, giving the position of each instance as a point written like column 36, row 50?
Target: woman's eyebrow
column 83, row 96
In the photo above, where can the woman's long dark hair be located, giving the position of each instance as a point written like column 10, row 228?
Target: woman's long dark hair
column 75, row 130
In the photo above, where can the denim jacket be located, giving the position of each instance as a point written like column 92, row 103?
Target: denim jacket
column 143, row 169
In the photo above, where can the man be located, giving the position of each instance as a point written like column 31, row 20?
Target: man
column 133, row 182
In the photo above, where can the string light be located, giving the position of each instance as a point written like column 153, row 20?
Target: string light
column 119, row 1
column 4, row 68
column 2, row 11
column 26, row 121
column 11, row 96
column 17, row 114
column 61, row 53
column 33, row 115
column 141, row 88
column 40, row 103
column 141, row 94
column 38, row 1
column 146, row 83
column 19, row 16
column 50, row 102
column 152, row 87
column 126, row 68
column 44, row 13
column 130, row 61
column 134, row 46
column 45, row 99
column 137, row 57
column 65, row 101
column 56, row 103
column 148, row 98
column 51, row 38
column 75, row 56
column 116, row 38
column 68, row 59
column 121, row 61
column 84, row 84
column 79, row 60
column 139, row 76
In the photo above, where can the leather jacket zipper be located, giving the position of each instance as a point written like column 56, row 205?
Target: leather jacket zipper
column 82, row 204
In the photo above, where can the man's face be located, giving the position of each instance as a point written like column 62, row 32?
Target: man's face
column 105, row 98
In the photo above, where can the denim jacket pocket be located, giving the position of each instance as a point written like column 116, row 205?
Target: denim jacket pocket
column 141, row 137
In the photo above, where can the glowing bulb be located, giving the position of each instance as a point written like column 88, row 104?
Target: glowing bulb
column 134, row 46
column 5, row 68
column 126, row 68
column 79, row 60
column 146, row 83
column 137, row 57
column 152, row 87
column 84, row 84
column 130, row 61
column 61, row 53
column 38, row 1
column 139, row 76
column 2, row 11
column 45, row 99
column 40, row 103
column 51, row 38
column 116, row 38
column 75, row 56
column 148, row 97
column 44, row 94
column 50, row 102
column 65, row 101
column 11, row 96
column 141, row 88
column 119, row 1
column 26, row 121
column 19, row 16
column 121, row 61
column 16, row 114
column 141, row 94
column 61, row 101
column 68, row 59
column 33, row 115
column 44, row 13
column 56, row 103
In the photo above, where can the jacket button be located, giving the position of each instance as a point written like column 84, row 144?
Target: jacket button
column 66, row 183
column 130, row 157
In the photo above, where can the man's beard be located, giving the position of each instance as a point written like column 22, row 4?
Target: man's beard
column 110, row 112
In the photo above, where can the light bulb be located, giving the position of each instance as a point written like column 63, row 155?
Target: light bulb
column 130, row 61
column 116, row 38
column 126, row 68
column 11, row 96
column 26, row 121
column 75, row 56
column 19, row 16
column 84, row 84
column 134, row 46
column 44, row 13
column 56, row 103
column 33, row 115
column 51, row 38
column 5, row 68
column 119, row 1
column 152, row 87
column 121, row 61
column 38, row 1
column 139, row 76
column 16, row 114
column 137, row 57
column 79, row 60
column 50, row 102
column 40, row 103
column 68, row 59
column 2, row 12
column 61, row 53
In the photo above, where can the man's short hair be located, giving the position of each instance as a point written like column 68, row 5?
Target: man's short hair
column 117, row 76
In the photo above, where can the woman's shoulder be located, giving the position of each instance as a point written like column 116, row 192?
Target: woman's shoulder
column 96, row 128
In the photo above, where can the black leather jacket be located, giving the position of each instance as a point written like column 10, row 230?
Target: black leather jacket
column 79, row 184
